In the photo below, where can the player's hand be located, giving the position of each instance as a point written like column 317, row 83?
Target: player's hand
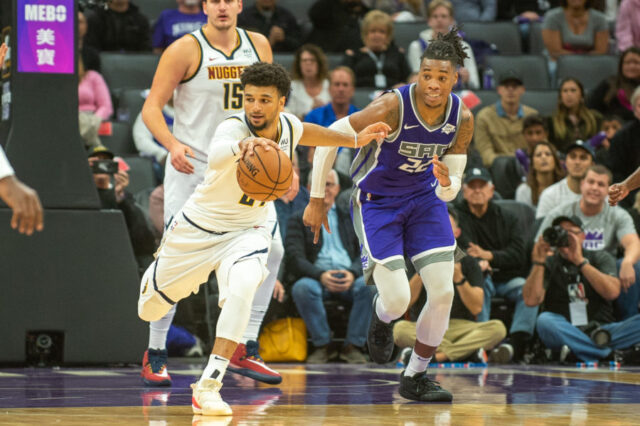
column 293, row 191
column 315, row 217
column 247, row 145
column 179, row 161
column 3, row 53
column 617, row 193
column 376, row 131
column 441, row 172
column 25, row 204
column 627, row 275
column 278, row 291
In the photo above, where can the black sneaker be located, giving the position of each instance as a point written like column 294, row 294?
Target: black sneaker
column 379, row 338
column 421, row 388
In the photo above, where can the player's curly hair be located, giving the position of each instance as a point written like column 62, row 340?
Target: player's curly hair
column 446, row 47
column 263, row 74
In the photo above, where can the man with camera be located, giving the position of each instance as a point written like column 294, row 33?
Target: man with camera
column 329, row 269
column 113, row 195
column 576, row 288
column 606, row 228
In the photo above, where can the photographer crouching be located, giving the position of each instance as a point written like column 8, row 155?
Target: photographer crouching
column 576, row 289
column 112, row 179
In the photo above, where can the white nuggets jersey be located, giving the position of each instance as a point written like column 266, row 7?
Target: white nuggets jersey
column 213, row 93
column 218, row 204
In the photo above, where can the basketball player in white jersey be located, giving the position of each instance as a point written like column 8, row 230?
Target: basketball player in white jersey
column 203, row 69
column 220, row 228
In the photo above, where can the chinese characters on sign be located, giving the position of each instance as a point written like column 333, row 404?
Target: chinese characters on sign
column 46, row 36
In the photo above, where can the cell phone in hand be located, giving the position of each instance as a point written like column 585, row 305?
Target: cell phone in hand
column 339, row 275
column 108, row 167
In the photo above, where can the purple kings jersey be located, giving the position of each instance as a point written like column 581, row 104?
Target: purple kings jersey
column 401, row 164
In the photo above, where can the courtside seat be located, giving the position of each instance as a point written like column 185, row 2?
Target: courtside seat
column 284, row 59
column 545, row 101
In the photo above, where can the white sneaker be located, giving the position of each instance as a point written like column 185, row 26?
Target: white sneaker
column 206, row 399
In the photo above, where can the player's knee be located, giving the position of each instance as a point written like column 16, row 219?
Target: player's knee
column 245, row 277
column 153, row 309
column 396, row 304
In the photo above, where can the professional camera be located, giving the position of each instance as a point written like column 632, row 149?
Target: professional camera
column 556, row 236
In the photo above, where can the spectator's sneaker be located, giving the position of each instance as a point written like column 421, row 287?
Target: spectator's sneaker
column 379, row 338
column 319, row 356
column 479, row 357
column 206, row 399
column 502, row 354
column 352, row 355
column 246, row 361
column 154, row 368
column 565, row 354
column 421, row 388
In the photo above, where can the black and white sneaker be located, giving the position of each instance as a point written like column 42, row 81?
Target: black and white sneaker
column 379, row 338
column 421, row 388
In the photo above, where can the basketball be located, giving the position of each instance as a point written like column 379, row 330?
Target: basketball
column 266, row 176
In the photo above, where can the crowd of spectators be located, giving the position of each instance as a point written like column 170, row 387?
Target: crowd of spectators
column 564, row 161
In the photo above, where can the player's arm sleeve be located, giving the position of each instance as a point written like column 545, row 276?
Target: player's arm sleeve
column 5, row 167
column 324, row 157
column 225, row 145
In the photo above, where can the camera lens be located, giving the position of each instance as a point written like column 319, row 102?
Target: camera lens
column 43, row 341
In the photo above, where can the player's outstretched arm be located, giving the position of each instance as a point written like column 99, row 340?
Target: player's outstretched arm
column 618, row 191
column 177, row 63
column 314, row 135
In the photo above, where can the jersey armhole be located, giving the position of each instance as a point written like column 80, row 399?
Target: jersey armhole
column 458, row 121
column 392, row 137
column 199, row 60
column 246, row 33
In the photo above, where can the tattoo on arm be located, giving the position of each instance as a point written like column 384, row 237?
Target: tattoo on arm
column 465, row 133
column 391, row 117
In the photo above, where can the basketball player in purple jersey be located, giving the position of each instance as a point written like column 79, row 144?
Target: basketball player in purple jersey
column 399, row 204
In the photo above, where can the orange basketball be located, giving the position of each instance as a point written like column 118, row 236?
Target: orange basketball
column 265, row 176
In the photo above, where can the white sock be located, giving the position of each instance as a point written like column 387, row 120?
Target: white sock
column 382, row 315
column 158, row 330
column 417, row 364
column 215, row 369
column 253, row 328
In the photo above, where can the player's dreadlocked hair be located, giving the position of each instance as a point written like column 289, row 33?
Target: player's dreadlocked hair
column 446, row 47
column 263, row 74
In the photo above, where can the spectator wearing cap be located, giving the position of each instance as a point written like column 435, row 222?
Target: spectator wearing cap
column 276, row 23
column 580, row 156
column 111, row 183
column 491, row 235
column 606, row 228
column 624, row 152
column 576, row 288
column 572, row 119
column 174, row 23
column 498, row 130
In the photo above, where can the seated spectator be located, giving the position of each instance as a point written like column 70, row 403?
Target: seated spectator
column 440, row 19
column 580, row 157
column 475, row 10
column 572, row 120
column 146, row 144
column 574, row 28
column 379, row 63
column 309, row 85
column 576, row 288
column 94, row 104
column 606, row 228
column 276, row 23
column 465, row 339
column 119, row 27
column 545, row 171
column 523, row 10
column 534, row 130
column 628, row 25
column 493, row 237
column 329, row 269
column 174, row 23
column 336, row 24
column 498, row 129
column 400, row 10
column 341, row 89
column 113, row 195
column 601, row 142
column 286, row 206
column 90, row 55
column 613, row 94
column 624, row 152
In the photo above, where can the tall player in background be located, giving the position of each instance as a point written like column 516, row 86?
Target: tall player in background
column 220, row 228
column 203, row 68
column 399, row 207
column 22, row 200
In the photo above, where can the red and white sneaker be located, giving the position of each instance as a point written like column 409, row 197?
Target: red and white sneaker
column 246, row 361
column 154, row 368
column 206, row 399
